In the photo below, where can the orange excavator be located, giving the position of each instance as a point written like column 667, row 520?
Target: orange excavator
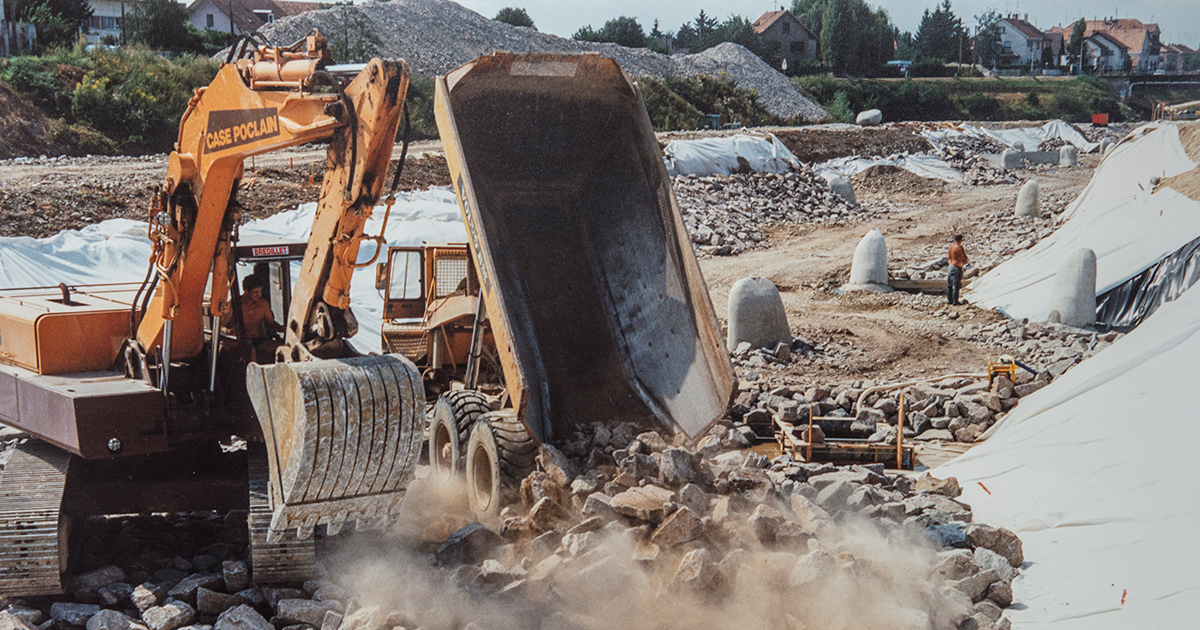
column 130, row 394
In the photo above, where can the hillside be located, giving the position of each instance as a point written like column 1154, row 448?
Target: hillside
column 436, row 36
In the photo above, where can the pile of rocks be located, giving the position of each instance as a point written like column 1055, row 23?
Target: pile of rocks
column 726, row 214
column 436, row 36
column 966, row 154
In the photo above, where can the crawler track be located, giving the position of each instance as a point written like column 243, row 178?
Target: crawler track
column 285, row 560
column 32, row 552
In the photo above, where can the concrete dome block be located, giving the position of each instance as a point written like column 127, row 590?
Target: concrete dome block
column 1010, row 159
column 1105, row 146
column 1068, row 156
column 841, row 186
column 756, row 315
column 869, row 118
column 1028, row 202
column 1074, row 296
column 869, row 271
column 1019, row 146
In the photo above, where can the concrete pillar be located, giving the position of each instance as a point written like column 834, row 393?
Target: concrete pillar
column 1028, row 204
column 841, row 186
column 756, row 315
column 1068, row 156
column 869, row 271
column 1073, row 301
column 1010, row 159
column 1105, row 145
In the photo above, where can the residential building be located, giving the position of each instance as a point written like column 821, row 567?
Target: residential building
column 1105, row 53
column 108, row 20
column 791, row 42
column 1173, row 57
column 1026, row 45
column 239, row 17
column 1141, row 40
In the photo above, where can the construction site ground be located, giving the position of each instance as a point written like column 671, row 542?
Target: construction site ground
column 891, row 336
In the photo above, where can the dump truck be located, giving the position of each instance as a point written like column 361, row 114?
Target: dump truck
column 131, row 393
column 583, row 301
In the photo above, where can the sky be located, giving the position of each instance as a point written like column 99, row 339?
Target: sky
column 1178, row 19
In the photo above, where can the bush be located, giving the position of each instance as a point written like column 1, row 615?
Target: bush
column 839, row 109
column 680, row 102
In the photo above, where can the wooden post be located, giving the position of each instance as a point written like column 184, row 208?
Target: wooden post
column 808, row 439
column 900, row 434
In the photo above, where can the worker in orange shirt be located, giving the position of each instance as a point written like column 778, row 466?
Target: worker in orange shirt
column 958, row 261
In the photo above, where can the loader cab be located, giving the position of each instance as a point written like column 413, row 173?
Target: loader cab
column 430, row 298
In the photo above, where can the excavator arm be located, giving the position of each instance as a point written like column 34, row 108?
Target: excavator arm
column 342, row 431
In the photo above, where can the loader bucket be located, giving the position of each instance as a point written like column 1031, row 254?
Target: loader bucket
column 591, row 285
column 343, row 437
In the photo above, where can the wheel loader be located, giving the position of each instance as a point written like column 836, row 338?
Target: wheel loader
column 131, row 393
column 583, row 300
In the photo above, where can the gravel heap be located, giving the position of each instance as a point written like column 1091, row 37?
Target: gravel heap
column 726, row 214
column 436, row 36
column 966, row 154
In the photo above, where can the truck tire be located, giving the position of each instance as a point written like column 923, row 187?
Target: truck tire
column 449, row 428
column 499, row 455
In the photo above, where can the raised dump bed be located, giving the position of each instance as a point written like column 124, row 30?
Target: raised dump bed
column 591, row 286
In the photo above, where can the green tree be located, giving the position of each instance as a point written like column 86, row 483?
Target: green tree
column 705, row 24
column 514, row 16
column 58, row 22
column 941, row 34
column 988, row 41
column 160, row 24
column 853, row 38
column 623, row 30
column 1075, row 44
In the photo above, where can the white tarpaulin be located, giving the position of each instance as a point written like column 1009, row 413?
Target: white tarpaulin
column 724, row 156
column 118, row 250
column 1118, row 216
column 921, row 164
column 1095, row 473
column 1030, row 137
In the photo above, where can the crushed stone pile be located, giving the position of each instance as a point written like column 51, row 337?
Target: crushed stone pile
column 436, row 36
column 966, row 154
column 727, row 214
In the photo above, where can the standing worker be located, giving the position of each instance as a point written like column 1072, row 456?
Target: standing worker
column 958, row 261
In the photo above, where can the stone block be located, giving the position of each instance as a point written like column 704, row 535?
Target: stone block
column 868, row 271
column 756, row 315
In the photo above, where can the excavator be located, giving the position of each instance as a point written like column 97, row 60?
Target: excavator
column 132, row 395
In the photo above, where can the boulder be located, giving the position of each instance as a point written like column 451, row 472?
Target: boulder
column 1068, row 155
column 9, row 621
column 756, row 315
column 869, row 118
column 242, row 618
column 113, row 620
column 868, row 271
column 1028, row 200
column 468, row 545
column 999, row 540
column 1073, row 300
column 696, row 571
column 170, row 616
column 841, row 186
column 682, row 526
column 72, row 614
column 236, row 575
column 212, row 602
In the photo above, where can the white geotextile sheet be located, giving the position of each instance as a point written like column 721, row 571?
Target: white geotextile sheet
column 719, row 156
column 1096, row 473
column 117, row 250
column 921, row 164
column 1031, row 137
column 1117, row 216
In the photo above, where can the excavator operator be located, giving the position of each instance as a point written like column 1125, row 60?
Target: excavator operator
column 258, row 322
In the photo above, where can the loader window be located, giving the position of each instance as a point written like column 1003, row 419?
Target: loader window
column 404, row 275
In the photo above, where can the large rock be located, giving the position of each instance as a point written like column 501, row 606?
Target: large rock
column 841, row 186
column 185, row 590
column 242, row 618
column 214, row 603
column 1073, row 301
column 1068, row 155
column 869, row 118
column 999, row 540
column 1028, row 200
column 236, row 575
column 696, row 571
column 95, row 580
column 869, row 271
column 756, row 315
column 72, row 614
column 9, row 621
column 306, row 611
column 113, row 620
column 169, row 616
column 682, row 526
column 468, row 545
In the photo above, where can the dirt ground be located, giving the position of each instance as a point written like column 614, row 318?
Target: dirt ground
column 887, row 337
column 861, row 336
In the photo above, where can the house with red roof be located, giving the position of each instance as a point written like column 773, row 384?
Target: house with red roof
column 791, row 42
column 1025, row 44
column 1142, row 41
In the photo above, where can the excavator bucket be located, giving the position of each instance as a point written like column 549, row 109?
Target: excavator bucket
column 591, row 286
column 342, row 435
